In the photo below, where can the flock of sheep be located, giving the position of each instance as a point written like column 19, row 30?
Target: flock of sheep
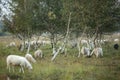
column 87, row 49
column 22, row 61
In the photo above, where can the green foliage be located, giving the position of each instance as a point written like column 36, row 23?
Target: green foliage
column 34, row 17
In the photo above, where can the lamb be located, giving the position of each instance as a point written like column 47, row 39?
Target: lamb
column 30, row 58
column 38, row 53
column 15, row 60
column 97, row 51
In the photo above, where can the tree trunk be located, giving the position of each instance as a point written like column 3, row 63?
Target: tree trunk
column 65, row 40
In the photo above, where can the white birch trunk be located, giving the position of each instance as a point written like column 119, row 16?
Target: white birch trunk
column 65, row 41
column 56, row 53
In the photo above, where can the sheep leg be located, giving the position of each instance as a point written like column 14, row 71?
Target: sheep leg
column 78, row 46
column 22, row 69
column 13, row 68
column 41, row 55
column 8, row 67
column 88, row 53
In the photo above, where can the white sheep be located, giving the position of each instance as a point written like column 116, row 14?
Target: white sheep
column 85, row 51
column 11, row 44
column 91, row 45
column 46, row 42
column 33, row 42
column 38, row 54
column 97, row 51
column 39, row 42
column 30, row 58
column 116, row 40
column 15, row 60
column 73, row 43
column 23, row 45
column 84, row 42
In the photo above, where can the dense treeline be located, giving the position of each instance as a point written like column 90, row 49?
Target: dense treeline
column 33, row 17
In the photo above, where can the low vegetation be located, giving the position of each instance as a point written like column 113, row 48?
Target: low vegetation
column 68, row 67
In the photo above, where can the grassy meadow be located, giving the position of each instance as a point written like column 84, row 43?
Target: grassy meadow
column 68, row 67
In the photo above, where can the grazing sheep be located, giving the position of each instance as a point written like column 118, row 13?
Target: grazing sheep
column 116, row 40
column 116, row 46
column 11, row 44
column 33, row 42
column 91, row 45
column 84, row 42
column 23, row 45
column 39, row 42
column 85, row 51
column 97, row 51
column 15, row 60
column 73, row 43
column 46, row 42
column 30, row 58
column 38, row 54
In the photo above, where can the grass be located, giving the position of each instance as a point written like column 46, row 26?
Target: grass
column 68, row 67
